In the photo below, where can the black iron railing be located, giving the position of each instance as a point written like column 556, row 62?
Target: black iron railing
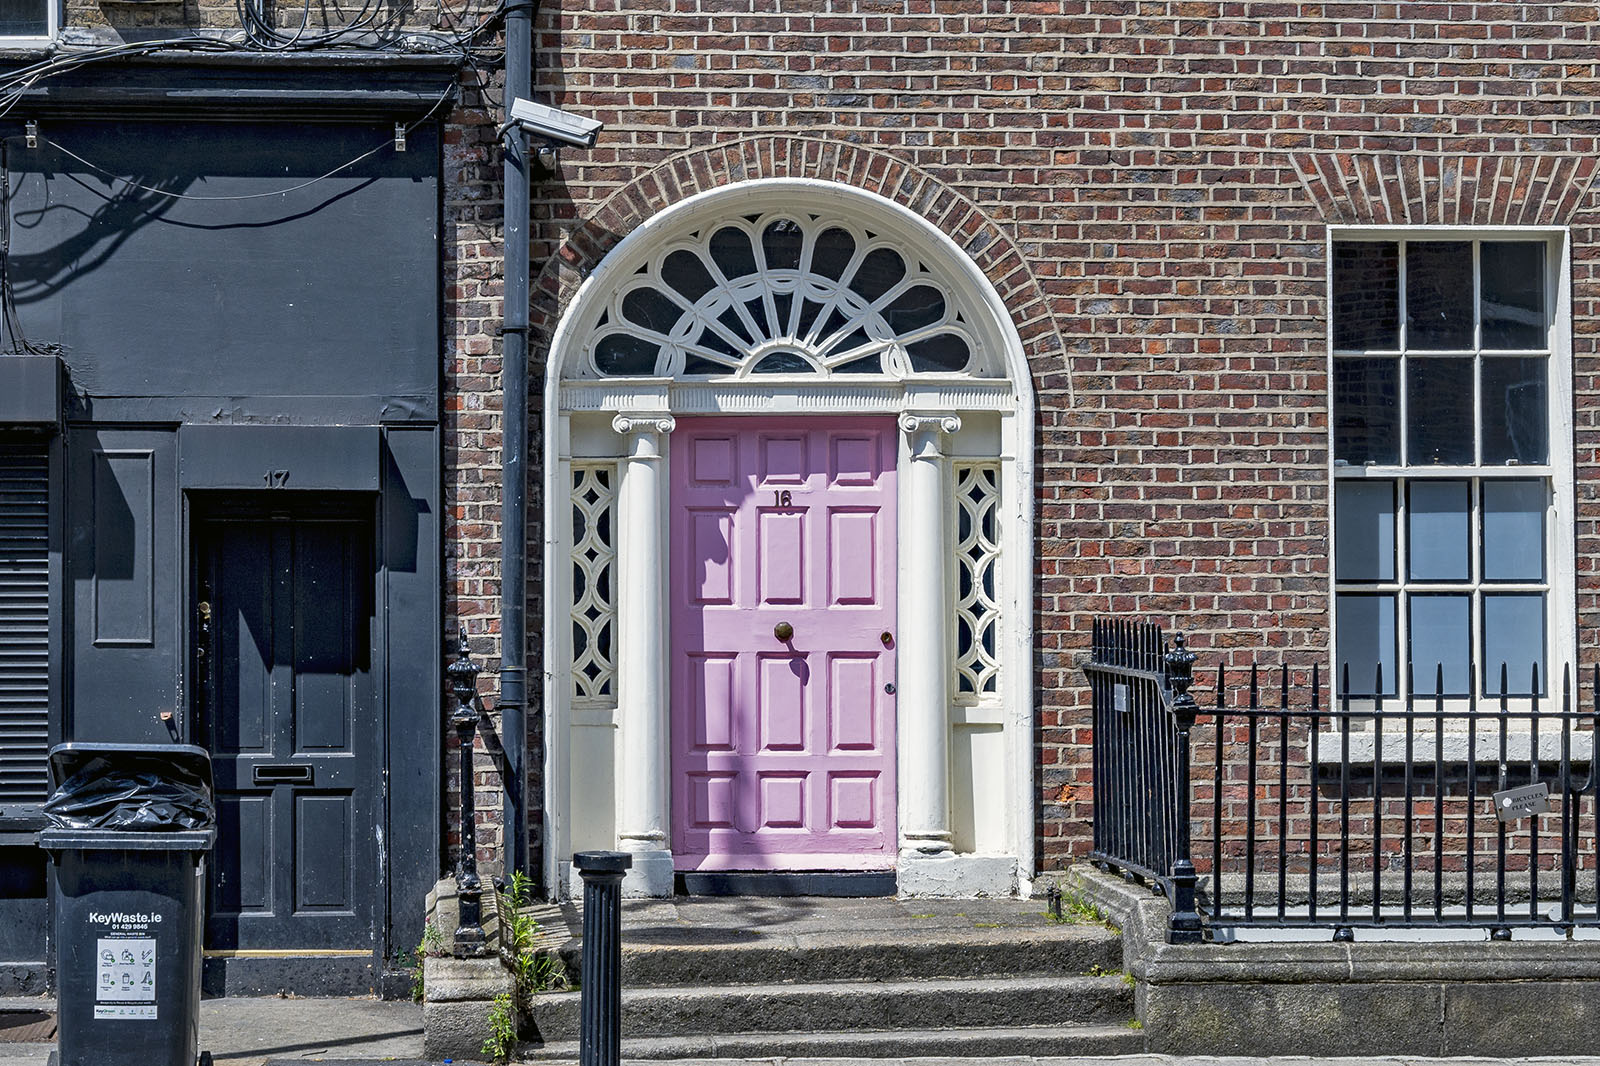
column 1429, row 812
column 1142, row 716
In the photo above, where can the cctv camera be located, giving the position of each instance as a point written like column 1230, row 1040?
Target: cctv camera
column 554, row 123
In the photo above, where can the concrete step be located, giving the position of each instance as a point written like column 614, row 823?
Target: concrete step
column 837, row 1007
column 985, row 1043
column 871, row 955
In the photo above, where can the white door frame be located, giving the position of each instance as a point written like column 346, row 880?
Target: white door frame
column 628, row 420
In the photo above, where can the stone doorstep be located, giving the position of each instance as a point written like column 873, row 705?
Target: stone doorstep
column 971, row 1045
column 720, row 962
column 973, row 1002
column 1362, row 998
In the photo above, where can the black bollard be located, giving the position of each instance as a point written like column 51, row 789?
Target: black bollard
column 601, row 1035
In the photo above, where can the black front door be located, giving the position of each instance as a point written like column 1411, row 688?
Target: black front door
column 284, row 630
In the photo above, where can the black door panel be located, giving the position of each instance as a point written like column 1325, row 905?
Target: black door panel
column 284, row 627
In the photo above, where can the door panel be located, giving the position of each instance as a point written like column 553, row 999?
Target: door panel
column 783, row 750
column 284, row 660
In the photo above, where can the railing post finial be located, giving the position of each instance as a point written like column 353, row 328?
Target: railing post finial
column 1180, row 674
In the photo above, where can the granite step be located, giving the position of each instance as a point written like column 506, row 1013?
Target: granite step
column 872, row 955
column 978, row 1001
column 976, row 1043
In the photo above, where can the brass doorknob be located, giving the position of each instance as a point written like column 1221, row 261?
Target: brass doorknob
column 783, row 631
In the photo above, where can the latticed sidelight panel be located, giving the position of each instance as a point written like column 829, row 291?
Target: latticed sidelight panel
column 594, row 594
column 977, row 557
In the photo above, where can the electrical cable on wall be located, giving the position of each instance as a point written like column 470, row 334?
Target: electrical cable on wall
column 388, row 35
column 16, row 341
column 346, row 165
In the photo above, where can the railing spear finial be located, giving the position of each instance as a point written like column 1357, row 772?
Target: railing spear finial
column 1180, row 674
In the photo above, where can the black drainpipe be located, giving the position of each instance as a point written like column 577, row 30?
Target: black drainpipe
column 514, row 444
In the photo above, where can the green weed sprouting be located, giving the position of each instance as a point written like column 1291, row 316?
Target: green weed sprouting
column 502, row 1038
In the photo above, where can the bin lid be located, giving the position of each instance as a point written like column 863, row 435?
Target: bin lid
column 123, row 840
column 67, row 759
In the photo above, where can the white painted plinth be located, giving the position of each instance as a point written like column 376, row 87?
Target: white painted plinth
column 956, row 876
column 650, row 876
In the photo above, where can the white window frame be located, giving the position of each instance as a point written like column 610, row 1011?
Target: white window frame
column 1560, row 548
column 52, row 30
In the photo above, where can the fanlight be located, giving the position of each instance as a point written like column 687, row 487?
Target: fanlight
column 781, row 292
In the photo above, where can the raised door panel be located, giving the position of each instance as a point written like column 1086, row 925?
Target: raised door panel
column 122, row 563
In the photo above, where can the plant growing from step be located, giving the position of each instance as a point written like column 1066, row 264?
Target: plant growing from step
column 430, row 946
column 1071, row 908
column 533, row 970
column 502, row 1038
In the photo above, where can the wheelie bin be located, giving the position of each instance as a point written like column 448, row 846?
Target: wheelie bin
column 129, row 828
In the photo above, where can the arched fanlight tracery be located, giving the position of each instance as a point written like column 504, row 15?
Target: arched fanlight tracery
column 782, row 292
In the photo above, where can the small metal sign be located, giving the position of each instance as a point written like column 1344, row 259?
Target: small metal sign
column 1516, row 803
column 1119, row 697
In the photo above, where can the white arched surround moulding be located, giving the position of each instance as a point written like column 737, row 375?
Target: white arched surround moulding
column 793, row 297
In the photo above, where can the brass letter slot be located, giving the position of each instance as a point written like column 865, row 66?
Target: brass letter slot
column 291, row 773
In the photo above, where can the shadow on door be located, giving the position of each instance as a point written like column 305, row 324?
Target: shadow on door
column 286, row 702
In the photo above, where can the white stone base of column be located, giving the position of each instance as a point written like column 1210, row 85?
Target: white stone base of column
column 650, row 876
column 956, row 876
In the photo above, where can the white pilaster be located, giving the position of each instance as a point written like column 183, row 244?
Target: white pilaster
column 644, row 759
column 924, row 670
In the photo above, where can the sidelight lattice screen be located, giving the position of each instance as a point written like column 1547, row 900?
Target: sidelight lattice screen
column 594, row 556
column 977, row 496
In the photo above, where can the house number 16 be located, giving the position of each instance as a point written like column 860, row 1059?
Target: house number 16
column 785, row 498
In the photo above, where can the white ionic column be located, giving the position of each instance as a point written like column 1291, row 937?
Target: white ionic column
column 644, row 758
column 923, row 702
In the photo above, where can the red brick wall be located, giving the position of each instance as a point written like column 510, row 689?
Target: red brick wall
column 1147, row 185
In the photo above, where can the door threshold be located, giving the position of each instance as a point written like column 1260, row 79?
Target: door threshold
column 285, row 953
column 839, row 884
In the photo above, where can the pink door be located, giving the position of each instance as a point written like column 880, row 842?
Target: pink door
column 783, row 534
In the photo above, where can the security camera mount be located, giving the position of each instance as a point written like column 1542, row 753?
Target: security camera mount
column 554, row 127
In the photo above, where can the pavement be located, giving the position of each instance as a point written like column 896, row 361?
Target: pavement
column 359, row 1032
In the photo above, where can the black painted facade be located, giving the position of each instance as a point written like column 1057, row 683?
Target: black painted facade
column 244, row 475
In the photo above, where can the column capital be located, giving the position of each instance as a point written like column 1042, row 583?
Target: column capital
column 913, row 422
column 644, row 422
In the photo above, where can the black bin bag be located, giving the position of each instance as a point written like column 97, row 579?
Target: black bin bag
column 133, row 789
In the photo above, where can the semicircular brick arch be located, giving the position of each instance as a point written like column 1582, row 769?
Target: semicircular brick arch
column 700, row 170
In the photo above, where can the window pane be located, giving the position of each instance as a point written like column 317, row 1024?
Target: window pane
column 731, row 251
column 1366, row 295
column 1438, row 294
column 1515, row 416
column 1438, row 411
column 780, row 243
column 1439, row 635
column 1513, row 294
column 23, row 18
column 1366, row 405
column 1364, row 531
column 1438, row 537
column 1513, row 634
column 1513, row 530
column 1366, row 641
